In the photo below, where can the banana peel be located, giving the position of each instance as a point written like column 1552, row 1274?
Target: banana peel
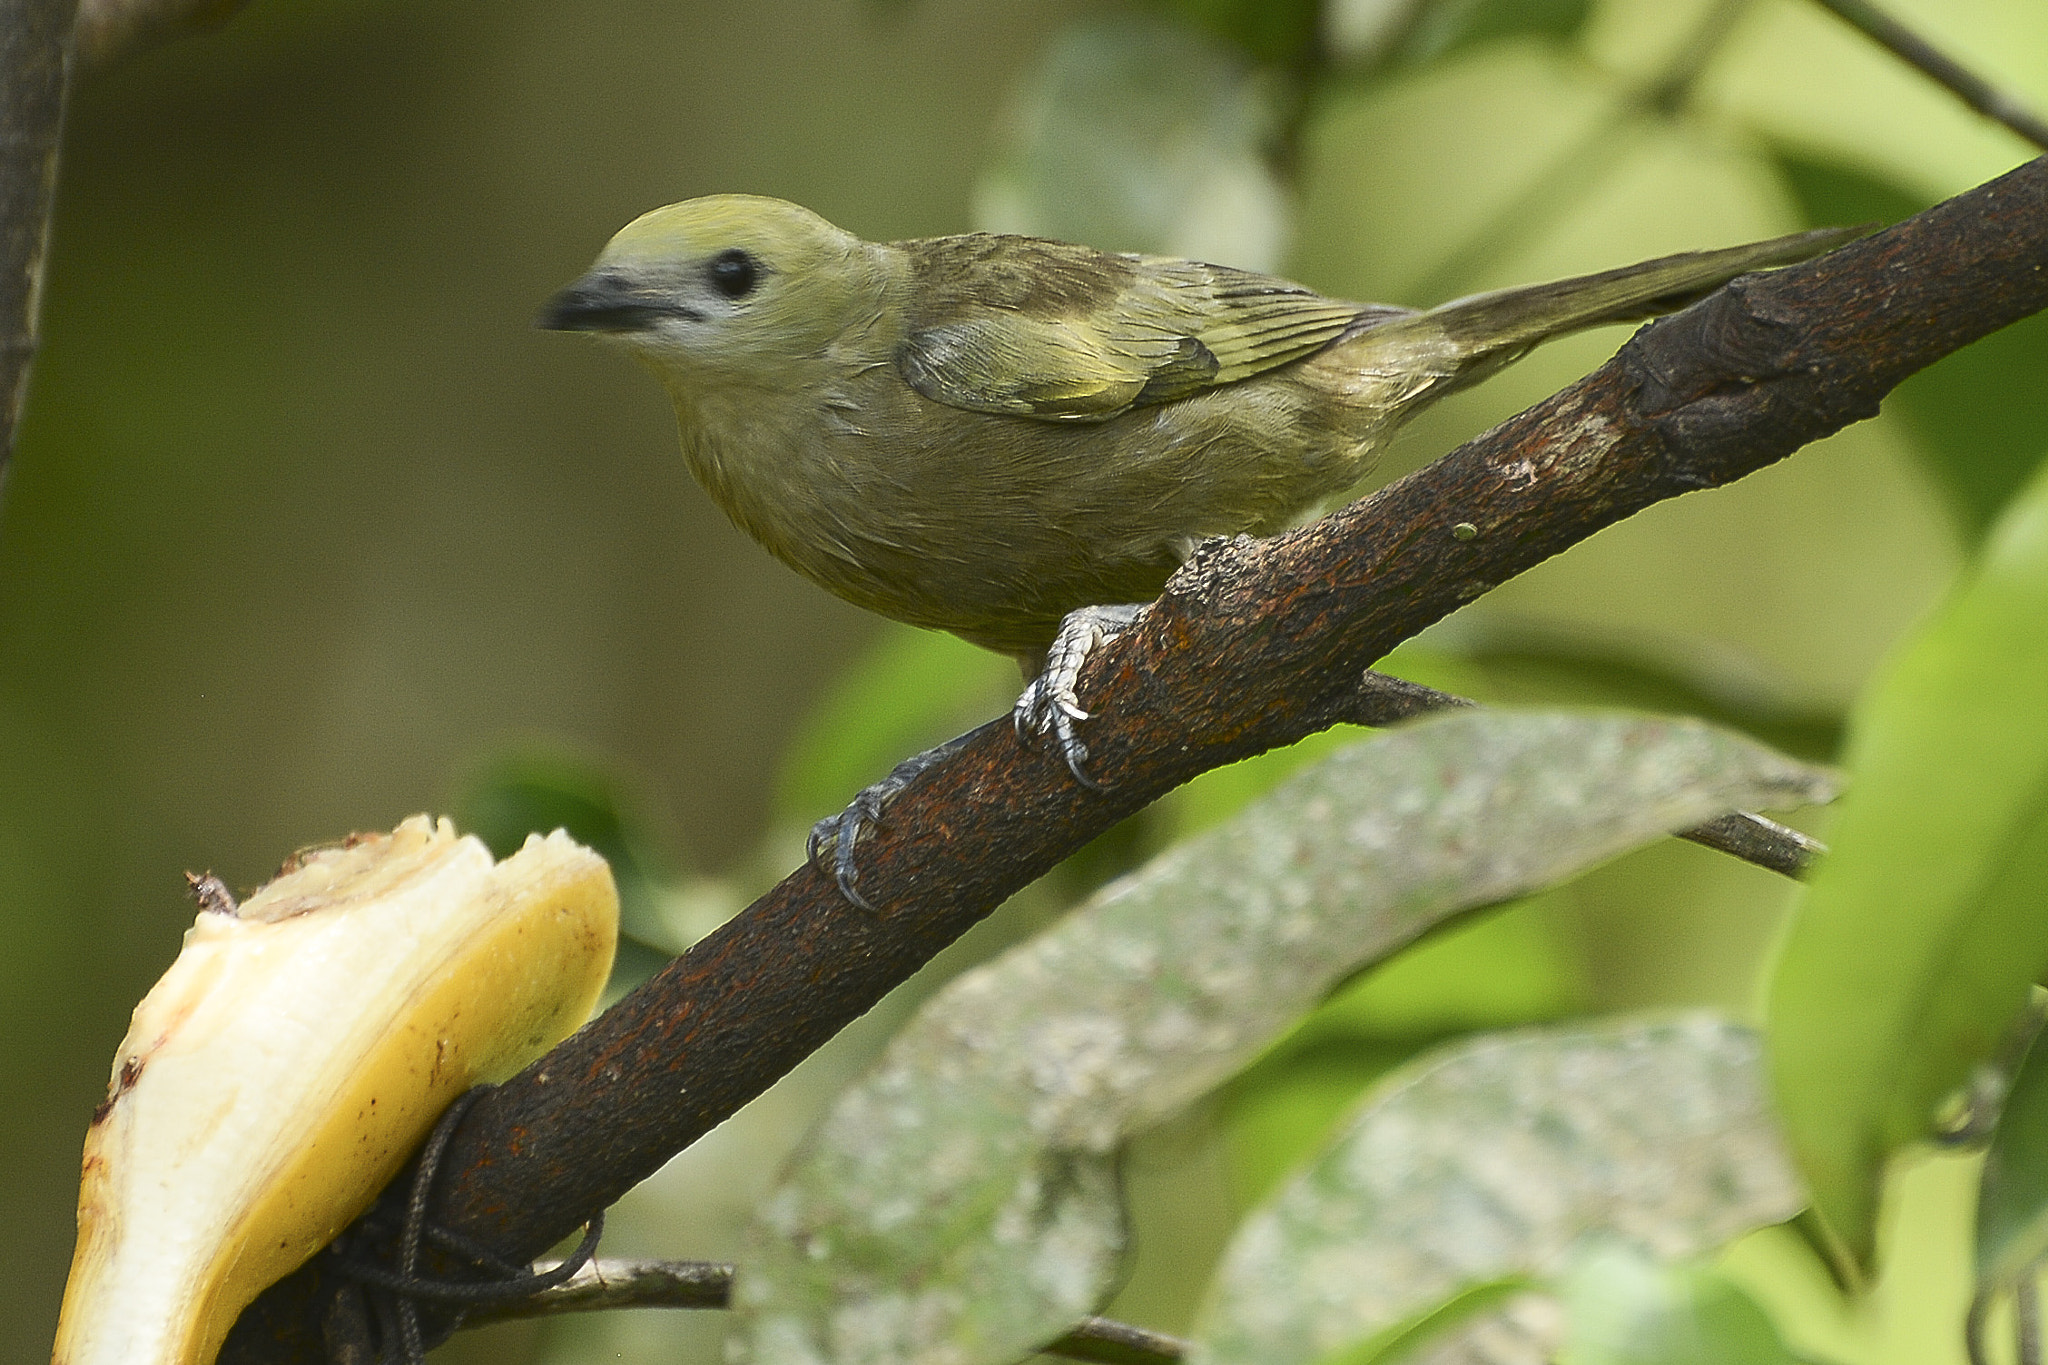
column 296, row 1054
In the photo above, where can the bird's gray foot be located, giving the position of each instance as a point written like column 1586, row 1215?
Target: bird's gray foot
column 1050, row 705
column 839, row 835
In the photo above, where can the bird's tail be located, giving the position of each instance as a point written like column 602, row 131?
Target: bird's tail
column 1484, row 331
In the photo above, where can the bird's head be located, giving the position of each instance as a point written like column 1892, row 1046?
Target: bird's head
column 728, row 286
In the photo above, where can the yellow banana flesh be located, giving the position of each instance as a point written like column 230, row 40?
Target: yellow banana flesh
column 298, row 1051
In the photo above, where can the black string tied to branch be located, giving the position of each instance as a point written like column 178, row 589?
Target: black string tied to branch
column 374, row 1317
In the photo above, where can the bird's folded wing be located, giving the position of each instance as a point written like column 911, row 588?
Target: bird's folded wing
column 1066, row 334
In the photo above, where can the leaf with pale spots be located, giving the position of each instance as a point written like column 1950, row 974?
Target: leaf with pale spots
column 1497, row 1162
column 959, row 1204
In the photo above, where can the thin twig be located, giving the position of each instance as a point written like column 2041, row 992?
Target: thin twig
column 1910, row 48
column 1382, row 699
column 1990, row 1084
column 1765, row 843
column 608, row 1284
column 1668, row 91
column 1109, row 1342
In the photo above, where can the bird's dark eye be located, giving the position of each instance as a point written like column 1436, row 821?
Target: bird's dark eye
column 733, row 273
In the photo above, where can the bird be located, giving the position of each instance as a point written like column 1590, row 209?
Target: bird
column 1018, row 440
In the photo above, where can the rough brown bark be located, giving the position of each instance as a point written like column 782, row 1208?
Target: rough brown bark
column 1254, row 644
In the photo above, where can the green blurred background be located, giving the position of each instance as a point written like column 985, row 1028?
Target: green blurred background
column 310, row 529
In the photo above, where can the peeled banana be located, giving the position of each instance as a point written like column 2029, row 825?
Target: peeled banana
column 298, row 1051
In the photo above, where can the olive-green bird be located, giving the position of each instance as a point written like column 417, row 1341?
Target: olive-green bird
column 985, row 434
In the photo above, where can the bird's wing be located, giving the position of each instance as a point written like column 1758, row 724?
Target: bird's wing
column 1067, row 334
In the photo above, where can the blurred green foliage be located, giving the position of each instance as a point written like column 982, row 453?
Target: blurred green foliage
column 535, row 791
column 1512, row 966
column 1282, row 32
column 1625, row 1310
column 1922, row 933
column 1434, row 31
column 1834, row 193
column 309, row 529
column 912, row 689
column 1981, row 419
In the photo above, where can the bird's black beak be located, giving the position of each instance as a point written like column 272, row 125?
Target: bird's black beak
column 604, row 301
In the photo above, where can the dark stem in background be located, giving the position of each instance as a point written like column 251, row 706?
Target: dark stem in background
column 1671, row 90
column 1910, row 48
column 1255, row 644
column 2026, row 1319
column 110, row 31
column 35, row 77
column 38, row 50
column 1973, row 1328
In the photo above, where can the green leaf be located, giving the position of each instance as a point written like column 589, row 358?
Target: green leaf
column 1833, row 193
column 1221, row 792
column 1539, row 664
column 1363, row 34
column 1495, row 970
column 959, row 1203
column 536, row 790
column 1136, row 132
column 1922, row 930
column 1979, row 418
column 1624, row 1309
column 1284, row 1108
column 1503, row 1158
column 1485, row 1306
column 2012, row 1198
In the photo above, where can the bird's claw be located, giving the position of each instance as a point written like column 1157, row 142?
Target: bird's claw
column 1050, row 705
column 841, row 834
column 1042, row 711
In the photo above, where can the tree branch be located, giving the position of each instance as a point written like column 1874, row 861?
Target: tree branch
column 1254, row 644
column 35, row 77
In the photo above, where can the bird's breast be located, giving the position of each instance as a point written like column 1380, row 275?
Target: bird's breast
column 993, row 526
